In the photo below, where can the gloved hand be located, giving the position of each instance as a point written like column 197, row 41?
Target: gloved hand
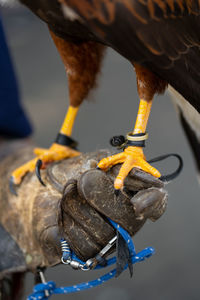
column 89, row 198
column 74, row 205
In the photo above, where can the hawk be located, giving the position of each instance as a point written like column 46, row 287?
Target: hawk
column 160, row 38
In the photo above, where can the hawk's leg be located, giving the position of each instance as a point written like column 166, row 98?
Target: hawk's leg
column 82, row 62
column 148, row 84
column 54, row 153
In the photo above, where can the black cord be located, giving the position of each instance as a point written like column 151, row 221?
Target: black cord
column 169, row 177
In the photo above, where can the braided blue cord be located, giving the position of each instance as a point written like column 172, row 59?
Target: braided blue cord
column 126, row 236
column 112, row 260
column 39, row 289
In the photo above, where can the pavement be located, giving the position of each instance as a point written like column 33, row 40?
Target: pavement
column 173, row 272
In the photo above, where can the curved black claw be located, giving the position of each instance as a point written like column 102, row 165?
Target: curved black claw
column 12, row 186
column 37, row 171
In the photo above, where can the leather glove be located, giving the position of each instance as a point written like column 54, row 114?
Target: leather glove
column 88, row 199
column 75, row 205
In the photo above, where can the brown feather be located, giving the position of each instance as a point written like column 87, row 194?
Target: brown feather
column 148, row 84
column 82, row 63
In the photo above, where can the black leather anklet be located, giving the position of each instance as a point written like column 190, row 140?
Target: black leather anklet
column 135, row 140
column 65, row 140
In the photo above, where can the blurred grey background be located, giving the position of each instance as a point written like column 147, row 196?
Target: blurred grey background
column 173, row 273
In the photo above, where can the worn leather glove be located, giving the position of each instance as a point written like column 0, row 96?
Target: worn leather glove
column 74, row 204
column 88, row 199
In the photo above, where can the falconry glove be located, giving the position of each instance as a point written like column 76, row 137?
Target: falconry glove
column 75, row 205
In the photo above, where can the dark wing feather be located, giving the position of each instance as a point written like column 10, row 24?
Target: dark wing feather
column 163, row 36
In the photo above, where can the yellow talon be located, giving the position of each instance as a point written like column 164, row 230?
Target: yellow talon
column 19, row 173
column 54, row 153
column 132, row 157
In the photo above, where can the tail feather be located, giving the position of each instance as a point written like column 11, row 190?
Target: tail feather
column 190, row 121
column 192, row 138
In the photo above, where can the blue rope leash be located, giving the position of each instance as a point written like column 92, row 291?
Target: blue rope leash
column 43, row 291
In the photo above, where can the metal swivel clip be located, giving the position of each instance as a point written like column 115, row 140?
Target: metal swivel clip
column 77, row 264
